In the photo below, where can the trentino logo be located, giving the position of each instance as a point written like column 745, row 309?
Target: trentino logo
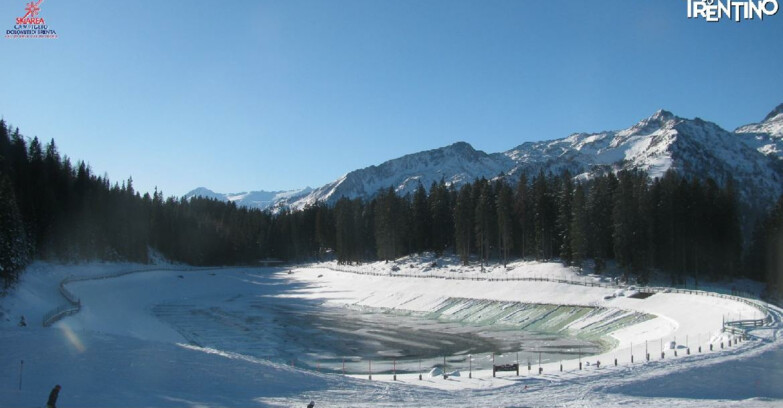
column 30, row 25
column 737, row 10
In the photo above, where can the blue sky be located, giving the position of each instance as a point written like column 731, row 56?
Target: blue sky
column 249, row 95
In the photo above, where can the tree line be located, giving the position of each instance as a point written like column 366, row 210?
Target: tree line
column 686, row 227
column 53, row 209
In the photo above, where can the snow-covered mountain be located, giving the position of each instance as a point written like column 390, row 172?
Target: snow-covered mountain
column 644, row 146
column 693, row 147
column 455, row 164
column 253, row 199
column 767, row 136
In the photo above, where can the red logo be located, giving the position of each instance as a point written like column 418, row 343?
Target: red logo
column 31, row 17
column 30, row 25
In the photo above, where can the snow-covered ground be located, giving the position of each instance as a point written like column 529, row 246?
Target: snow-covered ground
column 179, row 336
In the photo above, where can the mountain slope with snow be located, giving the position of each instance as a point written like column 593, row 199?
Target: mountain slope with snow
column 663, row 141
column 766, row 136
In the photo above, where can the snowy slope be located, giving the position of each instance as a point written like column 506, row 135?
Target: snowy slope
column 645, row 146
column 704, row 149
column 663, row 141
column 766, row 136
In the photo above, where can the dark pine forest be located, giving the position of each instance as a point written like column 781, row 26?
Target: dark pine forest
column 53, row 209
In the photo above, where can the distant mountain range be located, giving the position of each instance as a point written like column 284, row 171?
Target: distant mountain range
column 252, row 199
column 752, row 155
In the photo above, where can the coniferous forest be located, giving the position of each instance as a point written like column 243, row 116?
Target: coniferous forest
column 53, row 209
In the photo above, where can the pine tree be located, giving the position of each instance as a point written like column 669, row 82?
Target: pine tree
column 441, row 208
column 463, row 222
column 623, row 223
column 524, row 215
column 564, row 216
column 579, row 226
column 15, row 249
column 505, row 219
column 764, row 260
column 324, row 229
column 345, row 232
column 544, row 217
column 421, row 224
column 390, row 225
column 485, row 221
column 599, row 208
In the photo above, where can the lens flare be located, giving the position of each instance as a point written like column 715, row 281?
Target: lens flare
column 72, row 338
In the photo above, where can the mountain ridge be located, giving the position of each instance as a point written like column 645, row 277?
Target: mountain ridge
column 752, row 156
column 253, row 199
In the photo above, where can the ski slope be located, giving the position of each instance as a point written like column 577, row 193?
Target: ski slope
column 170, row 336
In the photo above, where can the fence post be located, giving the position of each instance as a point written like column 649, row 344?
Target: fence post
column 21, row 369
column 444, row 368
column 539, row 362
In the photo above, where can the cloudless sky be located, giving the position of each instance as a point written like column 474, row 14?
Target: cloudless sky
column 275, row 95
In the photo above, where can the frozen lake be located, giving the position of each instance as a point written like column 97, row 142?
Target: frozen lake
column 321, row 336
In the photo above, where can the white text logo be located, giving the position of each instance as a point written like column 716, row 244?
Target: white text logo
column 715, row 10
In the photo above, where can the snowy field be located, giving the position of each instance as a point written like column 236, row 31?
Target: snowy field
column 168, row 336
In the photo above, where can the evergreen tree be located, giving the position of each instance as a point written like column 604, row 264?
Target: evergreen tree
column 15, row 249
column 390, row 225
column 579, row 226
column 346, row 244
column 544, row 217
column 324, row 228
column 564, row 216
column 765, row 257
column 599, row 208
column 421, row 224
column 485, row 222
column 441, row 208
column 463, row 223
column 505, row 219
column 629, row 226
column 524, row 214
